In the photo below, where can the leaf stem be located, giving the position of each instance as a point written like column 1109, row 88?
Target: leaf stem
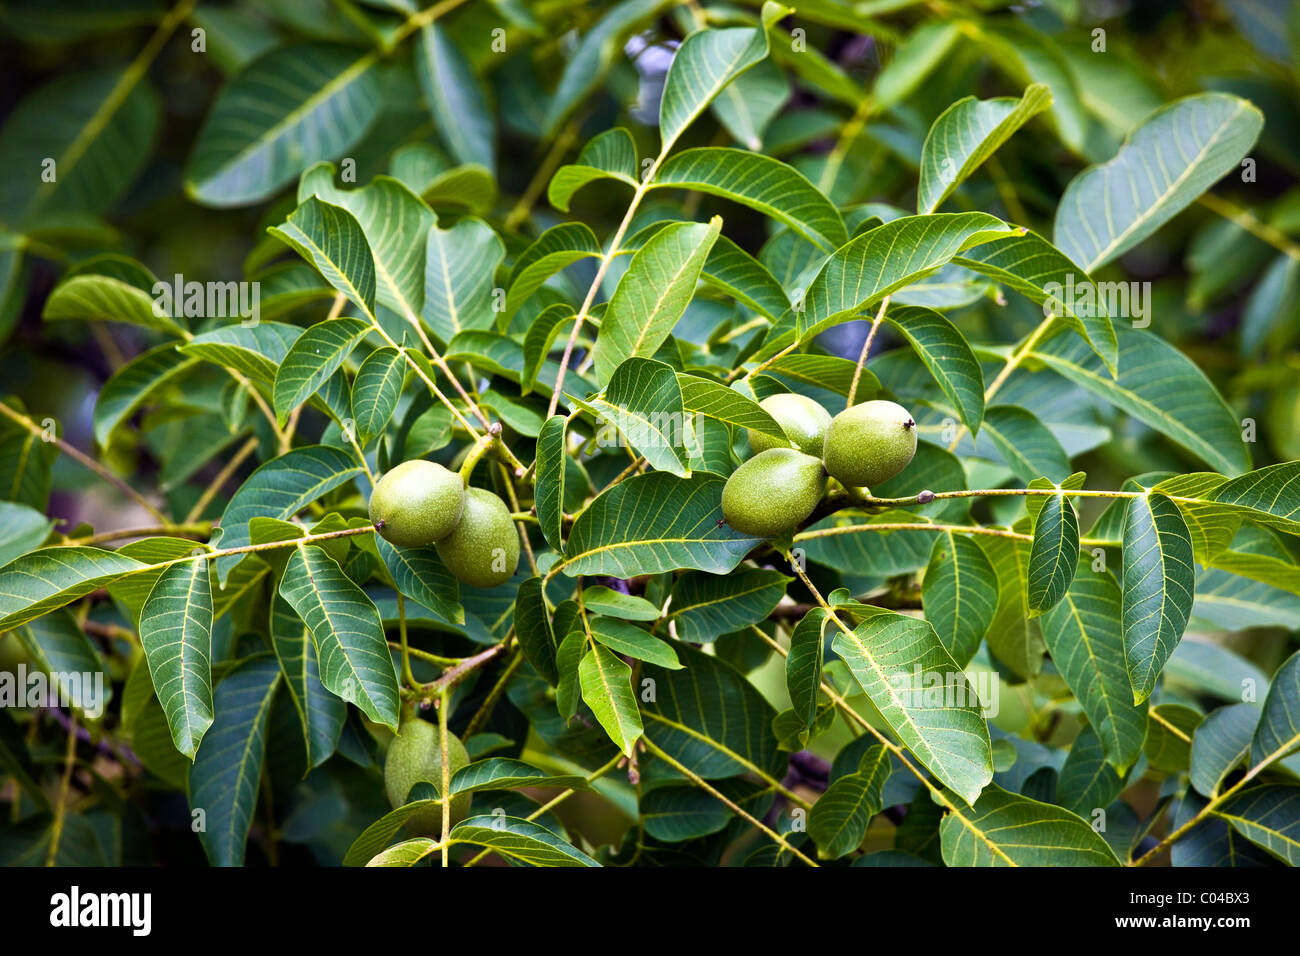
column 1251, row 224
column 221, row 478
column 65, row 784
column 866, row 350
column 726, row 801
column 523, row 208
column 1013, row 362
column 606, row 258
column 83, row 459
column 197, row 530
column 444, row 787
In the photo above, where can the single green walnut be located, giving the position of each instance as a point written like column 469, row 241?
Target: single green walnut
column 803, row 421
column 414, row 757
column 417, row 503
column 483, row 551
column 869, row 443
column 773, row 492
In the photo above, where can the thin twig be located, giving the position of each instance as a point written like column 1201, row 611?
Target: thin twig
column 83, row 459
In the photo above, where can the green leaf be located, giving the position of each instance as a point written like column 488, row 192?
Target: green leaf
column 706, row 606
column 61, row 649
column 741, row 276
column 355, row 662
column 502, row 773
column 803, row 665
column 1013, row 636
column 839, row 819
column 98, row 127
column 460, row 277
column 644, row 402
column 366, row 849
column 1179, row 151
column 389, row 215
column 321, row 713
column 254, row 351
column 520, row 840
column 455, row 97
column 709, row 718
column 40, row 581
column 896, row 659
column 726, row 405
column 1159, row 386
column 1027, row 445
column 629, row 607
column 760, row 182
column 1169, row 736
column 748, row 104
column 132, row 384
column 914, row 59
column 406, row 853
column 1159, row 582
column 97, row 297
column 653, row 294
column 554, row 250
column 968, row 133
column 608, row 155
column 280, row 489
column 284, row 111
column 888, row 258
column 25, row 464
column 22, row 529
column 959, row 594
column 825, row 371
column 631, row 641
column 549, row 489
column 569, row 688
column 316, row 355
column 1087, row 781
column 375, row 392
column 225, row 778
column 1271, row 494
column 1085, row 637
column 1035, row 268
column 1220, row 744
column 1007, row 829
column 538, row 340
column 607, row 689
column 1268, row 817
column 176, row 631
column 655, row 522
column 704, row 64
column 331, row 239
column 1054, row 555
column 1278, row 733
column 949, row 358
column 533, row 628
column 675, row 814
column 594, row 56
column 421, row 576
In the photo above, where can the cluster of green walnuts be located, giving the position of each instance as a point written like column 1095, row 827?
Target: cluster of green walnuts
column 779, row 487
column 420, row 503
column 414, row 505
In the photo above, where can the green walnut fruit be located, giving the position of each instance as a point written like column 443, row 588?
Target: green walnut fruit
column 869, row 443
column 414, row 757
column 417, row 503
column 803, row 421
column 484, row 549
column 773, row 492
